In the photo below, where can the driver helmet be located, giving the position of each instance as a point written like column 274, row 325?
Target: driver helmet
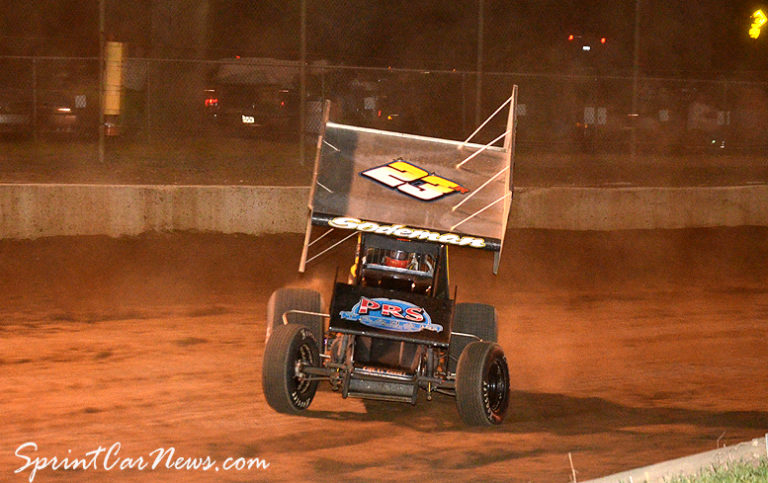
column 396, row 259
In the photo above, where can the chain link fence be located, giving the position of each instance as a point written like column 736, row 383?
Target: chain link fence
column 171, row 99
column 258, row 98
column 48, row 97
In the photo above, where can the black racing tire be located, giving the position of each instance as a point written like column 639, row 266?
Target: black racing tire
column 477, row 319
column 482, row 384
column 285, row 299
column 289, row 345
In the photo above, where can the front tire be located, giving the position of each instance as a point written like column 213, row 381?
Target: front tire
column 285, row 387
column 482, row 384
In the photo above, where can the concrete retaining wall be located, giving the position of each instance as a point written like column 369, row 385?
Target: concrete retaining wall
column 36, row 210
column 639, row 208
column 752, row 452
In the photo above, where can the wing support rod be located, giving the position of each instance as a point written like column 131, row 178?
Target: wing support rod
column 486, row 122
column 480, row 211
column 333, row 246
column 481, row 149
column 466, row 198
column 328, row 232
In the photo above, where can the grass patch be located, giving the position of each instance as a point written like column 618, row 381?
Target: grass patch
column 740, row 472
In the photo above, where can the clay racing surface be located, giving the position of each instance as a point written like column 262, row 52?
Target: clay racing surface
column 626, row 348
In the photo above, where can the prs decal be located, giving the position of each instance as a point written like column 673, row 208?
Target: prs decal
column 413, row 181
column 391, row 314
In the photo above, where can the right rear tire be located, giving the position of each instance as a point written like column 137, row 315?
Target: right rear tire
column 482, row 384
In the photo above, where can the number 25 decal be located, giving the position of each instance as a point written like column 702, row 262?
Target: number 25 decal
column 413, row 181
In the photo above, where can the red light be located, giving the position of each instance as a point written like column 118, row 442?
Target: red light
column 602, row 40
column 379, row 113
column 282, row 103
column 211, row 102
column 570, row 37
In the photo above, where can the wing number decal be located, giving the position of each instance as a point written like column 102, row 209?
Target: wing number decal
column 413, row 181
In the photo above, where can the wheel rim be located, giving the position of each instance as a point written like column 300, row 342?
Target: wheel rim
column 496, row 387
column 304, row 358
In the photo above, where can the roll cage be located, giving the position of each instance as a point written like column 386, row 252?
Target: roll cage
column 426, row 271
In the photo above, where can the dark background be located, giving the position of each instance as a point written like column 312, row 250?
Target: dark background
column 672, row 77
column 705, row 38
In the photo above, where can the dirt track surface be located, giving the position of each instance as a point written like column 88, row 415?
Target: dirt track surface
column 626, row 348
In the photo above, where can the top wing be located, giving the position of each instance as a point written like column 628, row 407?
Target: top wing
column 416, row 187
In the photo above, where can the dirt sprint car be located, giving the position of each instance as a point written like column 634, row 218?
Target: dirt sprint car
column 394, row 328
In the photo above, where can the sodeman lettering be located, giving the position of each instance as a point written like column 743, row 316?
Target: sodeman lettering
column 348, row 223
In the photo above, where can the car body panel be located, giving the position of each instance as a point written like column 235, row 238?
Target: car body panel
column 411, row 318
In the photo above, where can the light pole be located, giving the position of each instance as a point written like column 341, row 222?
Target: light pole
column 635, row 74
column 303, row 80
column 101, row 79
column 479, row 84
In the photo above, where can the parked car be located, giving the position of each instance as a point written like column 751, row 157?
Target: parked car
column 252, row 108
column 15, row 115
column 54, row 115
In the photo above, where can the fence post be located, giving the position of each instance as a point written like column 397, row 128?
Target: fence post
column 463, row 103
column 34, row 99
column 322, row 86
column 635, row 74
column 479, row 85
column 725, row 106
column 102, row 15
column 147, row 105
column 303, row 81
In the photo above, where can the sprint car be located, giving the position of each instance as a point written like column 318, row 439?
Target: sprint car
column 393, row 327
